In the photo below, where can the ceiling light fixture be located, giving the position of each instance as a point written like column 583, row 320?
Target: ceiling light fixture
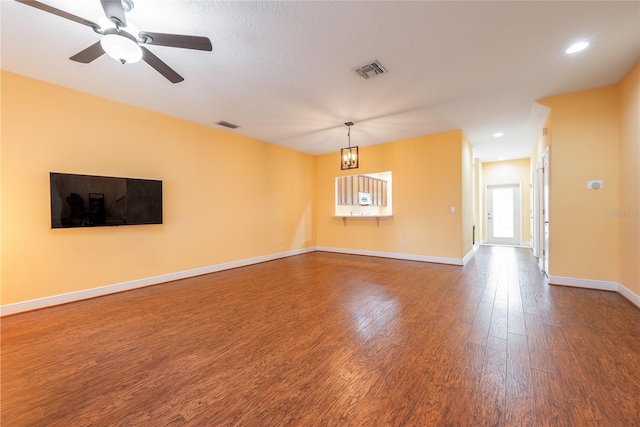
column 577, row 47
column 121, row 46
column 498, row 134
column 349, row 158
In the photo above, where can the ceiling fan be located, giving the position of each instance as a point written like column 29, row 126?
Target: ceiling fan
column 125, row 43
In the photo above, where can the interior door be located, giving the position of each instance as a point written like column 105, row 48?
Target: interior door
column 503, row 214
column 545, row 213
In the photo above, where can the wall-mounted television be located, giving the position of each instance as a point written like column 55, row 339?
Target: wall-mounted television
column 101, row 201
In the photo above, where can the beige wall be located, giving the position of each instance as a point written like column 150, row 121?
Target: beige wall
column 226, row 197
column 427, row 182
column 629, row 205
column 585, row 135
column 511, row 172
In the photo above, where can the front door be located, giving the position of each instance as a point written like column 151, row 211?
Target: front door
column 503, row 214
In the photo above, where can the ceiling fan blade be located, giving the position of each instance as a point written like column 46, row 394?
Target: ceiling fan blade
column 176, row 40
column 89, row 54
column 160, row 66
column 114, row 10
column 61, row 13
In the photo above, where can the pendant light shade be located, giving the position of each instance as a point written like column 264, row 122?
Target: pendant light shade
column 349, row 158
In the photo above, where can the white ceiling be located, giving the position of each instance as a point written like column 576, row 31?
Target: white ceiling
column 283, row 70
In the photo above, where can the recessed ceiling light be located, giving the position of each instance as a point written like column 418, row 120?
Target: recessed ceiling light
column 498, row 134
column 577, row 47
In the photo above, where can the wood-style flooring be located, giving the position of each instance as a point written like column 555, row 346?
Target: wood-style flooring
column 325, row 339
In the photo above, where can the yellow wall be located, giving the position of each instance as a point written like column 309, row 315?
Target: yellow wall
column 427, row 182
column 584, row 146
column 629, row 205
column 226, row 197
column 511, row 172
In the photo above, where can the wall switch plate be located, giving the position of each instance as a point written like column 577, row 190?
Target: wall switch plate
column 595, row 185
column 453, row 209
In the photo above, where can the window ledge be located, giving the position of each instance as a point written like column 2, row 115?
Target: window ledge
column 376, row 217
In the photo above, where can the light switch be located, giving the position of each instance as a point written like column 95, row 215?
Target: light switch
column 453, row 209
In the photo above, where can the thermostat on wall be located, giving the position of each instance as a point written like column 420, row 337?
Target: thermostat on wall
column 595, row 185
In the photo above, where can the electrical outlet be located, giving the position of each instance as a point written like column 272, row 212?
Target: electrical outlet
column 280, row 241
column 349, row 238
column 404, row 242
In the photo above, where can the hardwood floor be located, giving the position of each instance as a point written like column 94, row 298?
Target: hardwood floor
column 331, row 340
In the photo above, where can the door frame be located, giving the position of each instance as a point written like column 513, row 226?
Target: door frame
column 535, row 206
column 545, row 225
column 518, row 217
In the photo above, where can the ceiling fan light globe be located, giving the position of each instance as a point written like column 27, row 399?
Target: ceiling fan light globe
column 121, row 48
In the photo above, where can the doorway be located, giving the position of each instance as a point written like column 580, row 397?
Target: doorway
column 503, row 214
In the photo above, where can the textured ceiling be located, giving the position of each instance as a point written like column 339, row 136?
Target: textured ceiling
column 283, row 70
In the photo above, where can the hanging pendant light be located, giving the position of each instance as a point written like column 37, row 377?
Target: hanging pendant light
column 349, row 156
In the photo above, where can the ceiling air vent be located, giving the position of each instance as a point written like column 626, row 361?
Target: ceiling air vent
column 227, row 124
column 372, row 69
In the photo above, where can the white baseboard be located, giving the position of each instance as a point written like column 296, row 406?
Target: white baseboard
column 583, row 283
column 625, row 292
column 525, row 243
column 601, row 285
column 35, row 304
column 20, row 307
column 408, row 257
column 469, row 254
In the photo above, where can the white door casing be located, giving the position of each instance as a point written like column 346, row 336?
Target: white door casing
column 545, row 213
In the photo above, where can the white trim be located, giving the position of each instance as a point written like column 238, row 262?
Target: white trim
column 625, row 292
column 506, row 245
column 469, row 255
column 601, row 285
column 408, row 257
column 525, row 243
column 35, row 304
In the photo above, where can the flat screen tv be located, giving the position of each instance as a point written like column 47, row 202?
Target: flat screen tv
column 99, row 201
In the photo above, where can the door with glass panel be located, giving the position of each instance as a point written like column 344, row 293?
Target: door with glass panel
column 503, row 214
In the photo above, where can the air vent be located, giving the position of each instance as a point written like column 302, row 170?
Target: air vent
column 374, row 68
column 227, row 124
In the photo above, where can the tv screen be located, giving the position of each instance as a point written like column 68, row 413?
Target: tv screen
column 98, row 201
